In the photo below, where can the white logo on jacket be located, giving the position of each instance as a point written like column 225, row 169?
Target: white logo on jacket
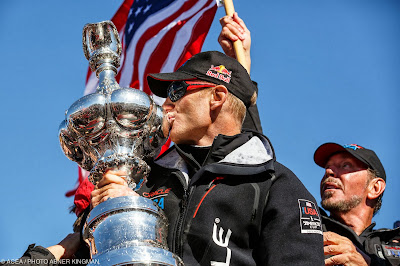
column 222, row 243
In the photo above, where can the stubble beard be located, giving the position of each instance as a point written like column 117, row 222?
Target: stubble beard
column 341, row 205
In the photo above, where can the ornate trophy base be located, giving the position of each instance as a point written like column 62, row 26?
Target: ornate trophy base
column 140, row 255
column 129, row 230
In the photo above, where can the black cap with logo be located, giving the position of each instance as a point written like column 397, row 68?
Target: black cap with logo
column 367, row 156
column 212, row 66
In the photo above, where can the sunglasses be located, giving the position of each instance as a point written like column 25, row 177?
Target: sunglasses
column 177, row 89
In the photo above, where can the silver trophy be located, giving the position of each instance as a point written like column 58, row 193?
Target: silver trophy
column 117, row 128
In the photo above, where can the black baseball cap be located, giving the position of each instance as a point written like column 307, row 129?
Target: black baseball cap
column 367, row 156
column 212, row 66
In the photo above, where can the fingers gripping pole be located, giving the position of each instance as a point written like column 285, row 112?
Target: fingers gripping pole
column 237, row 45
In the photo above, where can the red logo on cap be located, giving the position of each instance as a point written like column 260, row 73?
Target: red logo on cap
column 219, row 72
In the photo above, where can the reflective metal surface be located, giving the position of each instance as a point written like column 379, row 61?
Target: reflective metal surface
column 117, row 128
column 114, row 127
column 128, row 230
column 101, row 46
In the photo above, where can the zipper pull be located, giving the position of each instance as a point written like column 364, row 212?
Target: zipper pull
column 185, row 198
column 213, row 181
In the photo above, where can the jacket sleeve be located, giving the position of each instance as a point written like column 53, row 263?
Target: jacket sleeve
column 291, row 228
column 34, row 256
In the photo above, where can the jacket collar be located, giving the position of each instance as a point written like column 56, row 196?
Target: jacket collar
column 331, row 224
column 251, row 153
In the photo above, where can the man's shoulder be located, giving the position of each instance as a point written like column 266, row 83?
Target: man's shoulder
column 287, row 183
column 283, row 170
column 385, row 234
column 286, row 176
column 382, row 245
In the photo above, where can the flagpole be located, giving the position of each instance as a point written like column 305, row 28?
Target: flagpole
column 237, row 45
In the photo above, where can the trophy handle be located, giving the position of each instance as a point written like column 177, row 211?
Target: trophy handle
column 101, row 44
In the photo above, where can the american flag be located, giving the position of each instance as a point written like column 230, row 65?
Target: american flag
column 156, row 36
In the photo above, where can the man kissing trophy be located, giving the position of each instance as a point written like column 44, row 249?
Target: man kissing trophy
column 117, row 128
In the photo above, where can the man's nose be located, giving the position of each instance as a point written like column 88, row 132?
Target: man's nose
column 329, row 172
column 168, row 105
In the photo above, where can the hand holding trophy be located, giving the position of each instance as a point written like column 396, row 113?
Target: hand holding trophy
column 117, row 129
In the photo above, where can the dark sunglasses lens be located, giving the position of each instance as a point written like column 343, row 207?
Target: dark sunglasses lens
column 176, row 90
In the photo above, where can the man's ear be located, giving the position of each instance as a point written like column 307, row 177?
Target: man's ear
column 218, row 97
column 376, row 188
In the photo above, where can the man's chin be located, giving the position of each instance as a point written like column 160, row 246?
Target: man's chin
column 176, row 134
column 326, row 204
column 175, row 139
column 327, row 194
column 332, row 205
column 327, row 200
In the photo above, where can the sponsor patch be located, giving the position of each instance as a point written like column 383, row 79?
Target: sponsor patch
column 310, row 222
column 391, row 251
column 158, row 196
column 219, row 72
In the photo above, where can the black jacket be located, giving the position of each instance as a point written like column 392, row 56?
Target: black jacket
column 33, row 256
column 239, row 207
column 378, row 244
column 40, row 256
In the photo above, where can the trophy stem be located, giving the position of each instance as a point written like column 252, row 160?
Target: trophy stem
column 107, row 81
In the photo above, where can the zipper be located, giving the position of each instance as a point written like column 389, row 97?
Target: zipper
column 256, row 200
column 178, row 236
column 177, row 225
column 181, row 218
column 183, row 212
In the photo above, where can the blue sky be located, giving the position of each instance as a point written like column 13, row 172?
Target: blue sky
column 328, row 71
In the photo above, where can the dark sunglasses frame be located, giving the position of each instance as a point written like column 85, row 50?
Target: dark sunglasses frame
column 178, row 89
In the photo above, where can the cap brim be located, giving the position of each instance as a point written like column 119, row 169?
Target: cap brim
column 325, row 151
column 159, row 82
